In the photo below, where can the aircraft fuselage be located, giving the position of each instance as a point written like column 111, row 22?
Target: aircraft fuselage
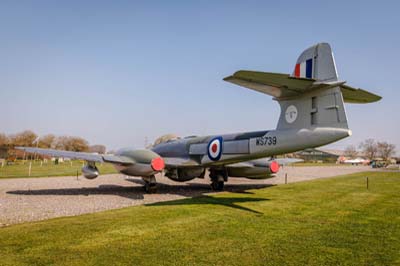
column 233, row 148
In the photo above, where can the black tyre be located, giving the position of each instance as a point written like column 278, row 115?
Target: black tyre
column 150, row 188
column 217, row 185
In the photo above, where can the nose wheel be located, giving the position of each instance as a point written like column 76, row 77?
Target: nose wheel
column 150, row 184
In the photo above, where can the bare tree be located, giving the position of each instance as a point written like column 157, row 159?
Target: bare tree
column 369, row 148
column 351, row 151
column 60, row 143
column 71, row 143
column 385, row 150
column 47, row 141
column 25, row 138
column 101, row 149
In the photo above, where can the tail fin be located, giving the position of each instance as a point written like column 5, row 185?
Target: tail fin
column 316, row 62
column 317, row 108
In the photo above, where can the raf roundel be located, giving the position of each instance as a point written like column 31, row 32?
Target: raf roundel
column 214, row 149
column 291, row 114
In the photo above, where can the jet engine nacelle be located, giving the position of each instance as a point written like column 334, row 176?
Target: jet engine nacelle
column 90, row 171
column 139, row 162
column 257, row 169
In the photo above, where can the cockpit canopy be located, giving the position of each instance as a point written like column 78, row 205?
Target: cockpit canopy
column 165, row 138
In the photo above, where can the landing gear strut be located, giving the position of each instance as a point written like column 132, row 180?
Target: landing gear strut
column 218, row 179
column 150, row 184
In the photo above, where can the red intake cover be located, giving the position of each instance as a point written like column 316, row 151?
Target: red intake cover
column 157, row 164
column 274, row 167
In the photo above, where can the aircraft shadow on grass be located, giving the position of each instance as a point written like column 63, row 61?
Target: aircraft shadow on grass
column 127, row 192
column 196, row 190
column 231, row 202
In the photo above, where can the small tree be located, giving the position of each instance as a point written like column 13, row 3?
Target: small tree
column 369, row 147
column 78, row 144
column 385, row 150
column 25, row 138
column 350, row 151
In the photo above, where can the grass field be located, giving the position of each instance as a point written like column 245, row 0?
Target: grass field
column 334, row 221
column 48, row 169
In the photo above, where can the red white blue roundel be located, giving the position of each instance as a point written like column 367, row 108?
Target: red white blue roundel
column 214, row 149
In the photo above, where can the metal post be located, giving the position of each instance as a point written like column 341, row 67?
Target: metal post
column 285, row 178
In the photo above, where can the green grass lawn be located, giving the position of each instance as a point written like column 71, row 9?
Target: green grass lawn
column 333, row 221
column 49, row 169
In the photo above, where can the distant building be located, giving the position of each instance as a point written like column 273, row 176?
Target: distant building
column 319, row 155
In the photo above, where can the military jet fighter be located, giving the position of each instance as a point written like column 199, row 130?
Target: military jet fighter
column 312, row 114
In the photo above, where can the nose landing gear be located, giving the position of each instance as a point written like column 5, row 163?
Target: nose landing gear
column 150, row 184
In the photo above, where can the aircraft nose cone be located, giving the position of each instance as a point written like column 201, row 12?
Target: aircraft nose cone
column 157, row 164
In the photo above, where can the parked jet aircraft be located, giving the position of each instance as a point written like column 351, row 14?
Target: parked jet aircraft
column 312, row 114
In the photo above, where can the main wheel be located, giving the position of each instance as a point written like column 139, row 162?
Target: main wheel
column 217, row 185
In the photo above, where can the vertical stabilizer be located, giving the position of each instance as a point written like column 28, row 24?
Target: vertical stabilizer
column 315, row 108
column 316, row 62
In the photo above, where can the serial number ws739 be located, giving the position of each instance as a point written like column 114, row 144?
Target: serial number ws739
column 266, row 141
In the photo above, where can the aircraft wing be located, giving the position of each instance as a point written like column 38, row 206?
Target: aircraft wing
column 283, row 85
column 90, row 157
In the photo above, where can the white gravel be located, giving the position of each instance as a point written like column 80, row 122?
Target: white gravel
column 33, row 199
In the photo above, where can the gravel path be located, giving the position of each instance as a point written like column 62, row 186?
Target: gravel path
column 34, row 199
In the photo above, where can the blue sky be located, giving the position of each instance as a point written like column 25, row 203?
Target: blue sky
column 116, row 72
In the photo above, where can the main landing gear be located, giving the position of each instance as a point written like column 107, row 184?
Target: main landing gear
column 150, row 184
column 218, row 178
